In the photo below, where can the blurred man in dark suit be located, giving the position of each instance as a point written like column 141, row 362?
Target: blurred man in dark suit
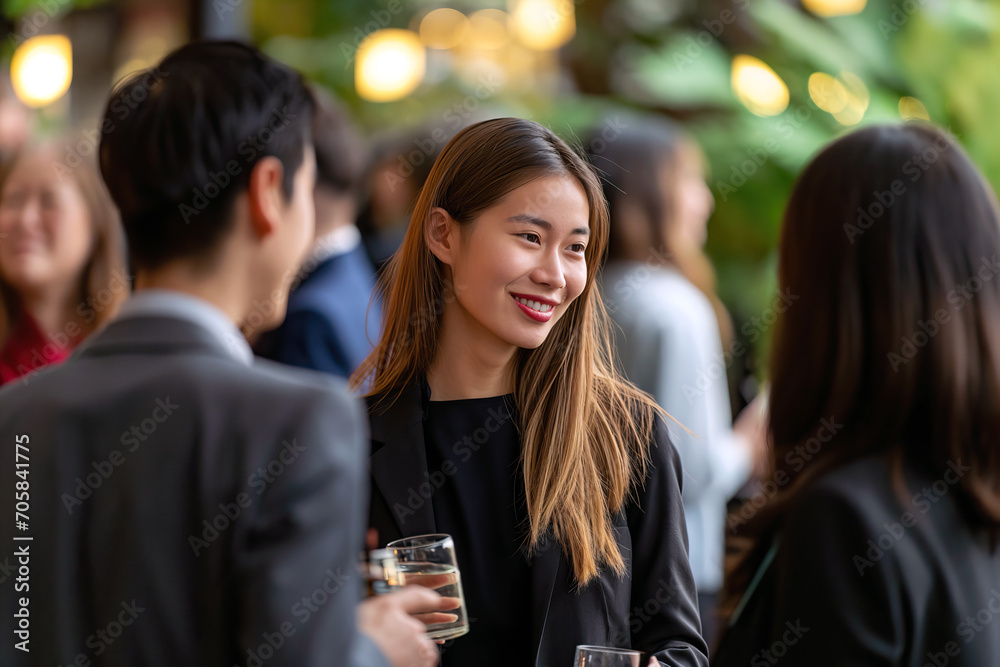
column 180, row 503
column 331, row 320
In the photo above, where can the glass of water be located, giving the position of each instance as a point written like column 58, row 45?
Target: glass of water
column 599, row 656
column 429, row 561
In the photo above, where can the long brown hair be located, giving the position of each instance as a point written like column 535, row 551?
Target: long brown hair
column 883, row 231
column 107, row 256
column 584, row 431
column 632, row 165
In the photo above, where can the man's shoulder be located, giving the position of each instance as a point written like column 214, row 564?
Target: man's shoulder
column 195, row 375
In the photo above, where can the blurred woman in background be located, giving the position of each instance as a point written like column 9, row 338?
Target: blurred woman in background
column 880, row 544
column 671, row 327
column 62, row 263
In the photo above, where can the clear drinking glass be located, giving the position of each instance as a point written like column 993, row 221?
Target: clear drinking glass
column 429, row 561
column 599, row 656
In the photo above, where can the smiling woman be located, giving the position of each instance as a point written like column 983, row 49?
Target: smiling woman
column 566, row 510
column 62, row 259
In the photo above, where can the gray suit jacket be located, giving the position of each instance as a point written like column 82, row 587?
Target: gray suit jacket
column 183, row 508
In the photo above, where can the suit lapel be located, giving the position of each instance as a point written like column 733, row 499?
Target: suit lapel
column 545, row 568
column 399, row 460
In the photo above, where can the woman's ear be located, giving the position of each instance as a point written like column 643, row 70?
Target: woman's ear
column 441, row 235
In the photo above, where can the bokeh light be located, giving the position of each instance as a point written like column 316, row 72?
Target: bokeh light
column 543, row 25
column 910, row 108
column 444, row 28
column 390, row 65
column 758, row 87
column 42, row 69
column 834, row 7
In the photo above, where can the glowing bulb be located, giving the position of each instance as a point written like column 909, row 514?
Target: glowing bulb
column 911, row 108
column 758, row 87
column 42, row 69
column 857, row 99
column 543, row 25
column 390, row 65
column 827, row 92
column 834, row 7
column 489, row 29
column 444, row 28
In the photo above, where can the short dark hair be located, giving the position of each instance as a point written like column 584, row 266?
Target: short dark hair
column 340, row 152
column 179, row 142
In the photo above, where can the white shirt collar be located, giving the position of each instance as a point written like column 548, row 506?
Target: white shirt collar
column 338, row 242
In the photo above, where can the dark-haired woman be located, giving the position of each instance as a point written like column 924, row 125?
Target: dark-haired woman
column 880, row 547
column 672, row 328
column 497, row 418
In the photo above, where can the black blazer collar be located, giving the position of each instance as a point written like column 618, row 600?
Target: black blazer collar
column 399, row 467
column 399, row 458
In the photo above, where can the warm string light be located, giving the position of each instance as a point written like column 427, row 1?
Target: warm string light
column 42, row 69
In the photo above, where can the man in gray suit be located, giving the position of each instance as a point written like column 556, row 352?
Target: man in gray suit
column 164, row 499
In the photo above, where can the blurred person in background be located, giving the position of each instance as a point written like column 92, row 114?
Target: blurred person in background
column 658, row 286
column 62, row 258
column 880, row 547
column 331, row 317
column 399, row 167
column 212, row 502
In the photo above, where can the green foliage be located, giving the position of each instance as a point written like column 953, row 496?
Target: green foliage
column 946, row 54
column 14, row 9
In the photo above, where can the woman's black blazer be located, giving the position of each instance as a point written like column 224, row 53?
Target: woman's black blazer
column 653, row 608
column 867, row 572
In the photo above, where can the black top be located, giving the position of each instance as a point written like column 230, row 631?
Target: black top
column 473, row 451
column 652, row 608
column 866, row 575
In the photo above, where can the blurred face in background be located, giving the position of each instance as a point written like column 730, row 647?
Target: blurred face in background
column 693, row 200
column 45, row 227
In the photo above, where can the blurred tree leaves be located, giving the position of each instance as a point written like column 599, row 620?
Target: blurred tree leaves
column 14, row 9
column 674, row 57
